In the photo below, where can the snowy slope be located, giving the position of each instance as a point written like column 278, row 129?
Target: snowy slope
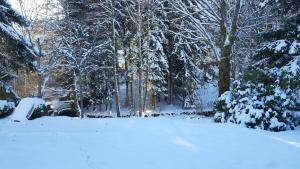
column 25, row 107
column 143, row 143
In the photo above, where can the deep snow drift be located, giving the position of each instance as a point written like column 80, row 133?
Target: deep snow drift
column 143, row 143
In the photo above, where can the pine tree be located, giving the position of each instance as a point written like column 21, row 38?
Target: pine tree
column 266, row 96
column 156, row 64
column 282, row 42
column 15, row 51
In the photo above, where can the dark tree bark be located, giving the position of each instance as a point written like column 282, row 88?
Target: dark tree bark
column 224, row 70
column 227, row 41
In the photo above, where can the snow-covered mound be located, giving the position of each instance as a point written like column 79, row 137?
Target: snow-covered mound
column 25, row 108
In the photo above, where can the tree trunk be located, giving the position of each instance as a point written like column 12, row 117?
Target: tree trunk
column 116, row 78
column 145, row 93
column 127, row 94
column 126, row 84
column 81, row 95
column 74, row 92
column 140, row 89
column 146, row 85
column 233, row 65
column 224, row 70
column 132, row 105
column 154, row 101
column 228, row 38
column 170, row 85
column 140, row 60
column 127, row 51
column 116, row 85
column 40, row 80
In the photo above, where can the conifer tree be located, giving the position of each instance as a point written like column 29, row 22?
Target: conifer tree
column 15, row 51
column 266, row 96
column 282, row 42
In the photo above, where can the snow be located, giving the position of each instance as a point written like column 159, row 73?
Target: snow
column 4, row 103
column 25, row 108
column 10, row 31
column 275, row 123
column 143, row 143
column 226, row 97
column 170, row 109
column 293, row 67
column 208, row 94
column 263, row 4
column 296, row 114
column 6, row 107
column 227, row 42
column 294, row 48
column 279, row 45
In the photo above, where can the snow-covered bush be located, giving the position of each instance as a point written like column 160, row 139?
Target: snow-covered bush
column 263, row 99
column 6, row 108
column 267, row 95
column 39, row 111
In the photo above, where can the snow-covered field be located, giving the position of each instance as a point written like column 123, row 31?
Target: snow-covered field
column 143, row 143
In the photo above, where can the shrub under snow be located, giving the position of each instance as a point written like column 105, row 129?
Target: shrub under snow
column 6, row 108
column 263, row 99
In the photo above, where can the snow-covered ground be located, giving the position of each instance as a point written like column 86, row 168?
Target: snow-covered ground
column 143, row 143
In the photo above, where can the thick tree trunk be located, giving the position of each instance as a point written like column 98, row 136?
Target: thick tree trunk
column 224, row 70
column 228, row 37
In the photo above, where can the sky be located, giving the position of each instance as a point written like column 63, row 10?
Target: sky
column 15, row 3
column 33, row 7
